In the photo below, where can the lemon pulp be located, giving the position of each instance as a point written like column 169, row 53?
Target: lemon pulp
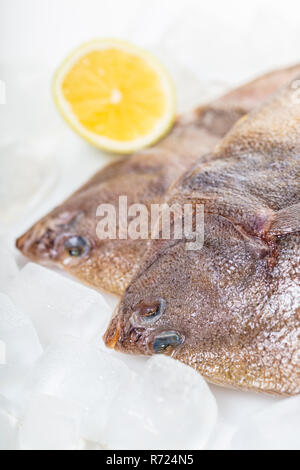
column 115, row 95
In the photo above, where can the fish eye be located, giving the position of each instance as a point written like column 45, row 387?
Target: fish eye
column 166, row 340
column 149, row 310
column 77, row 246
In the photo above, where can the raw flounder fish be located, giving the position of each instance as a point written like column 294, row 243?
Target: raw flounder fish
column 232, row 309
column 67, row 236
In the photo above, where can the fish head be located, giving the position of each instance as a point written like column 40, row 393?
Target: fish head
column 148, row 319
column 182, row 299
column 161, row 311
column 67, row 238
column 61, row 238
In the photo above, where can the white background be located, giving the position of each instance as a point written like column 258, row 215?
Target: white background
column 227, row 40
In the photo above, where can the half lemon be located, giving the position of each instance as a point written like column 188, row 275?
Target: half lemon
column 115, row 95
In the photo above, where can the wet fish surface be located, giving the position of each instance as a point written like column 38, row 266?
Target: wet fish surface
column 232, row 309
column 67, row 237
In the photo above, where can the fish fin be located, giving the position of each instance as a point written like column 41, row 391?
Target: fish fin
column 253, row 93
column 263, row 143
column 286, row 221
column 272, row 128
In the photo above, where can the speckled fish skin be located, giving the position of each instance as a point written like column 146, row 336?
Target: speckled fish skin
column 232, row 309
column 145, row 178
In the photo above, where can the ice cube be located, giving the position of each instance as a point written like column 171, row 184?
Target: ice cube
column 92, row 446
column 167, row 406
column 81, row 374
column 27, row 174
column 50, row 424
column 221, row 437
column 19, row 347
column 8, row 267
column 277, row 427
column 18, row 335
column 58, row 305
column 8, row 426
